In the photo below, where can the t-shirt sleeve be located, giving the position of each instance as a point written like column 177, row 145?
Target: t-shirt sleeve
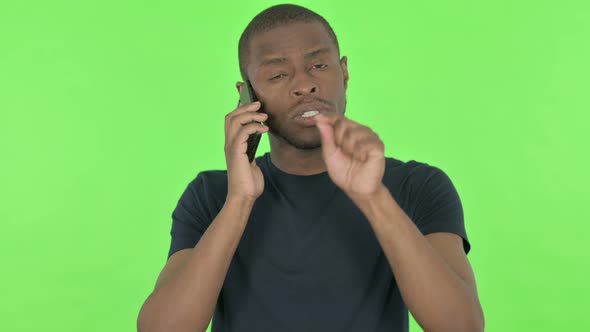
column 190, row 218
column 439, row 207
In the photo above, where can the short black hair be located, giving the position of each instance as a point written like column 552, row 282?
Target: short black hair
column 274, row 17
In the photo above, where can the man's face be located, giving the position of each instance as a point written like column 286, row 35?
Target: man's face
column 295, row 69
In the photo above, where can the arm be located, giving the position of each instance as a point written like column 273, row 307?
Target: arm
column 188, row 287
column 434, row 276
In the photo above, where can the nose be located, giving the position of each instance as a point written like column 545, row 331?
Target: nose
column 303, row 85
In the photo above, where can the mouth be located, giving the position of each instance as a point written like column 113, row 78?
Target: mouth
column 305, row 117
column 310, row 112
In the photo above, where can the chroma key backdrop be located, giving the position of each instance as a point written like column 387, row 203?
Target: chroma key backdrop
column 108, row 109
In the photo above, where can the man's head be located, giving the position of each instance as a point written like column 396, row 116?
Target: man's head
column 291, row 56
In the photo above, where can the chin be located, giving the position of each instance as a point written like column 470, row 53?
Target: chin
column 302, row 143
column 311, row 142
column 308, row 145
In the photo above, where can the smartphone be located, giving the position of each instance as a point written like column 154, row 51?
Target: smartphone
column 248, row 96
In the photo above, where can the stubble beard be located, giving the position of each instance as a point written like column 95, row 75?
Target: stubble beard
column 292, row 138
column 281, row 131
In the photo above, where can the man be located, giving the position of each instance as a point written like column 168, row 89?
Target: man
column 323, row 233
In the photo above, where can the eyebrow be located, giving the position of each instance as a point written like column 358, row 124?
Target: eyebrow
column 316, row 52
column 275, row 61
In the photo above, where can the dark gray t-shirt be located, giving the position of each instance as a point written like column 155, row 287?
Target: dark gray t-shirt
column 308, row 259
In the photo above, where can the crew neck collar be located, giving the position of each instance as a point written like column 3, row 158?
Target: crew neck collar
column 277, row 171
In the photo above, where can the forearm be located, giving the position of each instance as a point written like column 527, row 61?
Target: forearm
column 435, row 295
column 186, row 302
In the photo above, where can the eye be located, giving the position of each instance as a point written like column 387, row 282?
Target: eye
column 320, row 66
column 279, row 76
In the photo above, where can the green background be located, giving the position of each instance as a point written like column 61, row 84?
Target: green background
column 109, row 108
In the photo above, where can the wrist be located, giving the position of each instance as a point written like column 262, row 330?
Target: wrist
column 239, row 202
column 365, row 198
column 368, row 203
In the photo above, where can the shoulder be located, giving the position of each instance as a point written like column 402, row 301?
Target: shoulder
column 417, row 185
column 411, row 173
column 209, row 186
column 211, row 178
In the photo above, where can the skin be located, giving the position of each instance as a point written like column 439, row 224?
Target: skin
column 302, row 77
column 433, row 273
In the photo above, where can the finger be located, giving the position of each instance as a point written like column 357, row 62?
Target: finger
column 351, row 139
column 238, row 144
column 234, row 124
column 251, row 107
column 371, row 147
column 331, row 118
column 362, row 146
column 328, row 118
column 247, row 130
column 338, row 123
column 349, row 136
column 327, row 136
column 342, row 129
column 246, row 118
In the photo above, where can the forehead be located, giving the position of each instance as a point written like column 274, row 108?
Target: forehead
column 289, row 41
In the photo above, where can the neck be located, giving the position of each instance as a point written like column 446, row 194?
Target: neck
column 296, row 161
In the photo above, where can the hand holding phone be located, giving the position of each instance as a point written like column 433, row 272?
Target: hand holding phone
column 248, row 96
column 245, row 178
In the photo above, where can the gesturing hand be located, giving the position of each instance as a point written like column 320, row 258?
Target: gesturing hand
column 353, row 154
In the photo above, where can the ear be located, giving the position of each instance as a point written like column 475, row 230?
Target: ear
column 344, row 67
column 239, row 86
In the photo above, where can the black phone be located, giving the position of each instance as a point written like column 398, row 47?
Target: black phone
column 248, row 96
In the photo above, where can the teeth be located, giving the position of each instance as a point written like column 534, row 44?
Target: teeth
column 309, row 114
